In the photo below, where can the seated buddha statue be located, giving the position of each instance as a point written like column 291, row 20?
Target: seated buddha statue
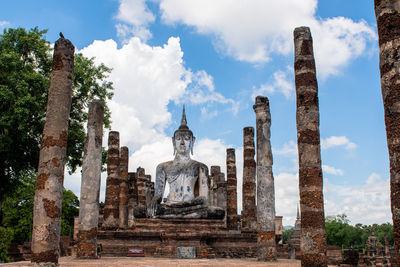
column 187, row 179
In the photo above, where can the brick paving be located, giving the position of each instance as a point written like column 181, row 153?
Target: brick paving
column 147, row 262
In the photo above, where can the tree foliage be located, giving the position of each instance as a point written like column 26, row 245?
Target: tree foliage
column 25, row 69
column 18, row 212
column 339, row 232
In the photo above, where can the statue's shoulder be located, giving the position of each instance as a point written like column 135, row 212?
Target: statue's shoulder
column 199, row 164
column 164, row 165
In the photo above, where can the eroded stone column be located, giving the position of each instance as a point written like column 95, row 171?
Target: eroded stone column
column 123, row 191
column 214, row 176
column 221, row 191
column 266, row 247
column 90, row 186
column 49, row 185
column 249, row 220
column 313, row 237
column 141, row 186
column 111, row 207
column 231, row 181
column 388, row 21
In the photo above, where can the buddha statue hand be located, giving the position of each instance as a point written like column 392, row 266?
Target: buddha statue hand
column 153, row 205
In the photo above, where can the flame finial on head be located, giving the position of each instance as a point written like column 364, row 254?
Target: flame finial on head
column 183, row 120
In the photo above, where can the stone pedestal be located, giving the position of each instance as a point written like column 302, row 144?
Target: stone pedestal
column 249, row 220
column 231, row 181
column 49, row 185
column 111, row 208
column 90, row 186
column 265, row 183
column 313, row 237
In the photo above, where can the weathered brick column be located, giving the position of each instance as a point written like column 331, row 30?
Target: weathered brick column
column 221, row 191
column 49, row 185
column 214, row 176
column 111, row 207
column 388, row 21
column 249, row 220
column 266, row 247
column 133, row 197
column 231, row 181
column 123, row 192
column 313, row 237
column 90, row 186
column 141, row 186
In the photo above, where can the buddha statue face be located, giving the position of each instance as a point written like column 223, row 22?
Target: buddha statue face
column 183, row 142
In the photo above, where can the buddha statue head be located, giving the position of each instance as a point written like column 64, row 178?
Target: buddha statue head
column 183, row 139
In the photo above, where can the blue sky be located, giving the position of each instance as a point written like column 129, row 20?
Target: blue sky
column 214, row 57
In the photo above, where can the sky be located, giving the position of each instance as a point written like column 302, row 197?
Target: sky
column 215, row 56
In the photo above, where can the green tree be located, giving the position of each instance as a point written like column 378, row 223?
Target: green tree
column 18, row 213
column 25, row 69
column 286, row 234
column 70, row 209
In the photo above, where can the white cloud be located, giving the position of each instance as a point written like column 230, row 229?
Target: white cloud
column 335, row 141
column 135, row 18
column 367, row 203
column 331, row 170
column 253, row 31
column 282, row 82
column 288, row 149
column 4, row 24
column 287, row 196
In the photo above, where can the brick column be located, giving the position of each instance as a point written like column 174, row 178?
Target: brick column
column 111, row 208
column 313, row 237
column 388, row 21
column 49, row 185
column 141, row 186
column 90, row 186
column 249, row 220
column 215, row 171
column 266, row 249
column 231, row 181
column 123, row 192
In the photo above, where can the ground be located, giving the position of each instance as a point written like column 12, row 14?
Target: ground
column 147, row 261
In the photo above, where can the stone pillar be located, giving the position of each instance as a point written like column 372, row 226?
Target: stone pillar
column 266, row 247
column 249, row 220
column 133, row 198
column 221, row 191
column 49, row 185
column 215, row 171
column 388, row 21
column 123, row 192
column 313, row 237
column 141, row 186
column 90, row 185
column 231, row 181
column 111, row 208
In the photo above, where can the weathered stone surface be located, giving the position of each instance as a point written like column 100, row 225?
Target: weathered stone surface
column 48, row 195
column 313, row 237
column 265, row 182
column 133, row 197
column 90, row 185
column 111, row 208
column 249, row 220
column 123, row 192
column 388, row 21
column 231, row 188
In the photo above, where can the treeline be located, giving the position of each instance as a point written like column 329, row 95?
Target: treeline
column 339, row 232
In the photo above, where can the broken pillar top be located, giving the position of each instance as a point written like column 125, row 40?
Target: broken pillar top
column 302, row 32
column 215, row 170
column 262, row 103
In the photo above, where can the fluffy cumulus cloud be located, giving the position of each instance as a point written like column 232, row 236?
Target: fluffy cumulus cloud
column 282, row 82
column 367, row 203
column 253, row 31
column 134, row 19
column 335, row 141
